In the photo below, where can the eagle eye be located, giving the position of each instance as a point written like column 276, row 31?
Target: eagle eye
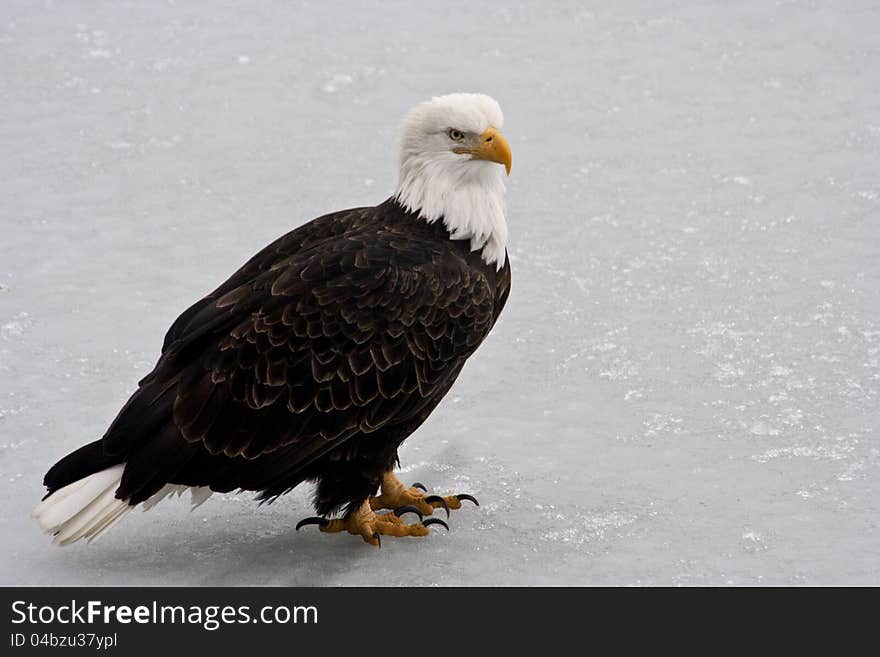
column 456, row 135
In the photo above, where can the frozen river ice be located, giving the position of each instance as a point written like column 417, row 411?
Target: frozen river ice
column 683, row 388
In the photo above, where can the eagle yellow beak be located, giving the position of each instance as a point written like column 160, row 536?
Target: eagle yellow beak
column 494, row 148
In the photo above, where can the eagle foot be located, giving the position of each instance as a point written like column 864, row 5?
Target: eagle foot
column 397, row 496
column 371, row 526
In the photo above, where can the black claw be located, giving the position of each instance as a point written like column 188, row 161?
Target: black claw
column 378, row 540
column 409, row 508
column 420, row 485
column 435, row 521
column 314, row 520
column 437, row 498
column 469, row 498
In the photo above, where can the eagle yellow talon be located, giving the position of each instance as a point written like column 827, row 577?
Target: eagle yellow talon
column 370, row 526
column 396, row 496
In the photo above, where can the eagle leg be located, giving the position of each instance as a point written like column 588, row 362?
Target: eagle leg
column 370, row 526
column 396, row 496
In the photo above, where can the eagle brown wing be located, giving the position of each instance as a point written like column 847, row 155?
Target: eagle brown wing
column 304, row 348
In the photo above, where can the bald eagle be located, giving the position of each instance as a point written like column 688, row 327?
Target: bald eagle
column 322, row 354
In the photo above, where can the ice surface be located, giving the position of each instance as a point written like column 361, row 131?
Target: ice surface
column 684, row 386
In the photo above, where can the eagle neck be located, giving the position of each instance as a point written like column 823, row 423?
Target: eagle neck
column 469, row 201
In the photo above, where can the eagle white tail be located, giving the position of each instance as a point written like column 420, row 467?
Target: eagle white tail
column 84, row 509
column 88, row 508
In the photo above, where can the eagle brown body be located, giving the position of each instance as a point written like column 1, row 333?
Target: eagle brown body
column 314, row 361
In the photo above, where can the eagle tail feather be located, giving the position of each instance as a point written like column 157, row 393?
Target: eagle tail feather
column 86, row 508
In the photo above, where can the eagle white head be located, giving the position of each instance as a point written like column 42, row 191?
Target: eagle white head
column 450, row 149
